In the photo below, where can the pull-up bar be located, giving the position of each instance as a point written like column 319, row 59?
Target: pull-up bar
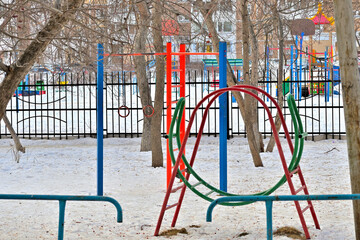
column 100, row 122
column 158, row 54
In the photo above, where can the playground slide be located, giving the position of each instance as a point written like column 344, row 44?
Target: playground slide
column 286, row 86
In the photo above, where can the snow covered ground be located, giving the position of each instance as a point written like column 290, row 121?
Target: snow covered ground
column 69, row 167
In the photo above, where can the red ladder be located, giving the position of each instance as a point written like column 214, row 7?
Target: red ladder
column 309, row 206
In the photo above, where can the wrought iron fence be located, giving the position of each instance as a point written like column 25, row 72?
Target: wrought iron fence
column 64, row 105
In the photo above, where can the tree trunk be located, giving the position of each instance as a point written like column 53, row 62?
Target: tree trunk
column 271, row 144
column 254, row 82
column 248, row 100
column 18, row 70
column 344, row 22
column 207, row 12
column 18, row 146
column 140, row 70
column 156, row 146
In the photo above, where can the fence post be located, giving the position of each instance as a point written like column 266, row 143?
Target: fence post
column 99, row 115
column 223, row 113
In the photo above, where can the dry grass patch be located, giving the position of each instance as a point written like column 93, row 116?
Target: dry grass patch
column 173, row 232
column 290, row 232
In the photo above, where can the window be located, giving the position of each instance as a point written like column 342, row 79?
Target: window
column 227, row 27
column 220, row 26
column 224, row 26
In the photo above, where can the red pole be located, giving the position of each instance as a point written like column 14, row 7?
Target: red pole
column 168, row 110
column 182, row 59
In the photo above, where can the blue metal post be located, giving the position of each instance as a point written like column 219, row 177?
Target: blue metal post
column 26, row 83
column 269, row 231
column 296, row 68
column 223, row 103
column 62, row 204
column 300, row 68
column 17, row 99
column 100, row 123
column 326, row 83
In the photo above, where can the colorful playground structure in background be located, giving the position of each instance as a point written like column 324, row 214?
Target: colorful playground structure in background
column 212, row 66
column 30, row 87
column 319, row 73
column 25, row 89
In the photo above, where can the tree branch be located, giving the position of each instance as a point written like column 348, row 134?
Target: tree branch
column 4, row 67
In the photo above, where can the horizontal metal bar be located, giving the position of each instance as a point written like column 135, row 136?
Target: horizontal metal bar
column 253, row 198
column 306, row 208
column 157, row 54
column 176, row 189
column 171, row 206
column 269, row 202
column 300, row 189
column 294, row 171
column 65, row 198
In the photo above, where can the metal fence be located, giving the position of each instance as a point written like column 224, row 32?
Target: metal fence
column 64, row 105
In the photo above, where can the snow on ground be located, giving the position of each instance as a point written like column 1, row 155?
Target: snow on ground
column 69, row 167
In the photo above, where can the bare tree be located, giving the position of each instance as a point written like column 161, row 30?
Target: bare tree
column 143, row 18
column 278, row 25
column 15, row 72
column 156, row 147
column 350, row 83
column 207, row 10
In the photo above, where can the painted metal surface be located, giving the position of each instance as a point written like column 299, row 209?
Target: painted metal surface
column 211, row 98
column 223, row 114
column 289, row 169
column 100, row 120
column 62, row 202
column 269, row 203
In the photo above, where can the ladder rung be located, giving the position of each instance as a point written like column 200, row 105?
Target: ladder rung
column 176, row 189
column 209, row 193
column 306, row 208
column 196, row 184
column 303, row 135
column 171, row 206
column 176, row 70
column 294, row 171
column 176, row 86
column 300, row 189
column 183, row 170
column 174, row 101
column 175, row 149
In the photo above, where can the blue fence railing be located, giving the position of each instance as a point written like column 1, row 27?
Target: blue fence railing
column 269, row 203
column 62, row 202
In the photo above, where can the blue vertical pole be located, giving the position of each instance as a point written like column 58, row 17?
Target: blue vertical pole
column 100, row 123
column 27, row 83
column 62, row 204
column 300, row 68
column 223, row 103
column 17, row 99
column 326, row 83
column 269, row 205
column 296, row 67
